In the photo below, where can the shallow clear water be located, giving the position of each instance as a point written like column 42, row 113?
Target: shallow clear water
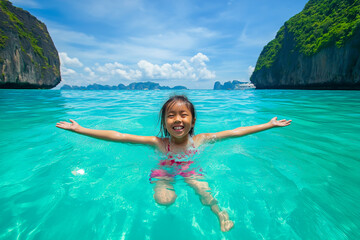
column 298, row 182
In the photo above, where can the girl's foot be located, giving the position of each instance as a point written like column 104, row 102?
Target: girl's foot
column 225, row 223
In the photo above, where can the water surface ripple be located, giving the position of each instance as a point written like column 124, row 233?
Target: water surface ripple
column 298, row 182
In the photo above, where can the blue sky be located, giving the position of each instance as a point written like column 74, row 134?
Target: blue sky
column 185, row 42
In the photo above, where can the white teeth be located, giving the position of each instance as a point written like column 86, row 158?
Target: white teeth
column 178, row 128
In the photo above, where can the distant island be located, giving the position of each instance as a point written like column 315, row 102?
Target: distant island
column 234, row 85
column 131, row 86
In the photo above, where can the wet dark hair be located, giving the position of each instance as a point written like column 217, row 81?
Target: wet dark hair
column 168, row 104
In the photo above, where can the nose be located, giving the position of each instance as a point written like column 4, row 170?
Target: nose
column 178, row 118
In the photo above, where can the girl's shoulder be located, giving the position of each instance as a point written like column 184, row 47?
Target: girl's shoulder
column 163, row 144
column 199, row 139
column 163, row 140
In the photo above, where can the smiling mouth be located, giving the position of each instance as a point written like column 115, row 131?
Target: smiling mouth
column 179, row 128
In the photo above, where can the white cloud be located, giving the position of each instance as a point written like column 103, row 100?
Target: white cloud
column 89, row 71
column 67, row 71
column 199, row 59
column 67, row 61
column 250, row 70
column 110, row 67
column 110, row 70
column 113, row 73
column 194, row 70
column 128, row 75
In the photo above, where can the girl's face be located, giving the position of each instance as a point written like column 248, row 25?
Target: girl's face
column 179, row 120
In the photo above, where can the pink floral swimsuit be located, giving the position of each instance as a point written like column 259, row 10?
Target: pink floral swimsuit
column 176, row 164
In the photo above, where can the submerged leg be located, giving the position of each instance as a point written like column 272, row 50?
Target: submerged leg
column 164, row 192
column 202, row 189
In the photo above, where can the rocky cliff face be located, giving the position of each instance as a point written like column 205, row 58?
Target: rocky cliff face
column 28, row 57
column 287, row 63
column 331, row 68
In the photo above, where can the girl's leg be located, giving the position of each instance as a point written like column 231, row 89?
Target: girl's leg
column 164, row 191
column 202, row 189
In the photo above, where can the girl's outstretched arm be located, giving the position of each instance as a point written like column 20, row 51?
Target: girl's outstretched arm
column 109, row 134
column 241, row 131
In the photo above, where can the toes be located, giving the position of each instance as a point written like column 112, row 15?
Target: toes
column 227, row 225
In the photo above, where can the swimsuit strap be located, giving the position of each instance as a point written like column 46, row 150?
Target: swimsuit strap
column 192, row 142
column 168, row 147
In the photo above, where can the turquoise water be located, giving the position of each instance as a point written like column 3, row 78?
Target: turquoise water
column 298, row 182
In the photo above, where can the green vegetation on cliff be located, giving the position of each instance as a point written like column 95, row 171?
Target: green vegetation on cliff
column 22, row 31
column 322, row 23
column 28, row 57
column 270, row 51
column 3, row 39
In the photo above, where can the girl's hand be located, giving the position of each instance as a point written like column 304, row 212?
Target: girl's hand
column 279, row 123
column 68, row 126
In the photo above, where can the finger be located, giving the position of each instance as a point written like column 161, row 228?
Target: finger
column 285, row 121
column 71, row 120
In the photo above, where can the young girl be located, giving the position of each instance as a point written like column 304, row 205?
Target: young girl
column 179, row 143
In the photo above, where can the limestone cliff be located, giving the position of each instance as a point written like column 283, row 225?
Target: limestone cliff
column 318, row 48
column 28, row 57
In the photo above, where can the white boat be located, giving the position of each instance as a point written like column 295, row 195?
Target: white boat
column 244, row 85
